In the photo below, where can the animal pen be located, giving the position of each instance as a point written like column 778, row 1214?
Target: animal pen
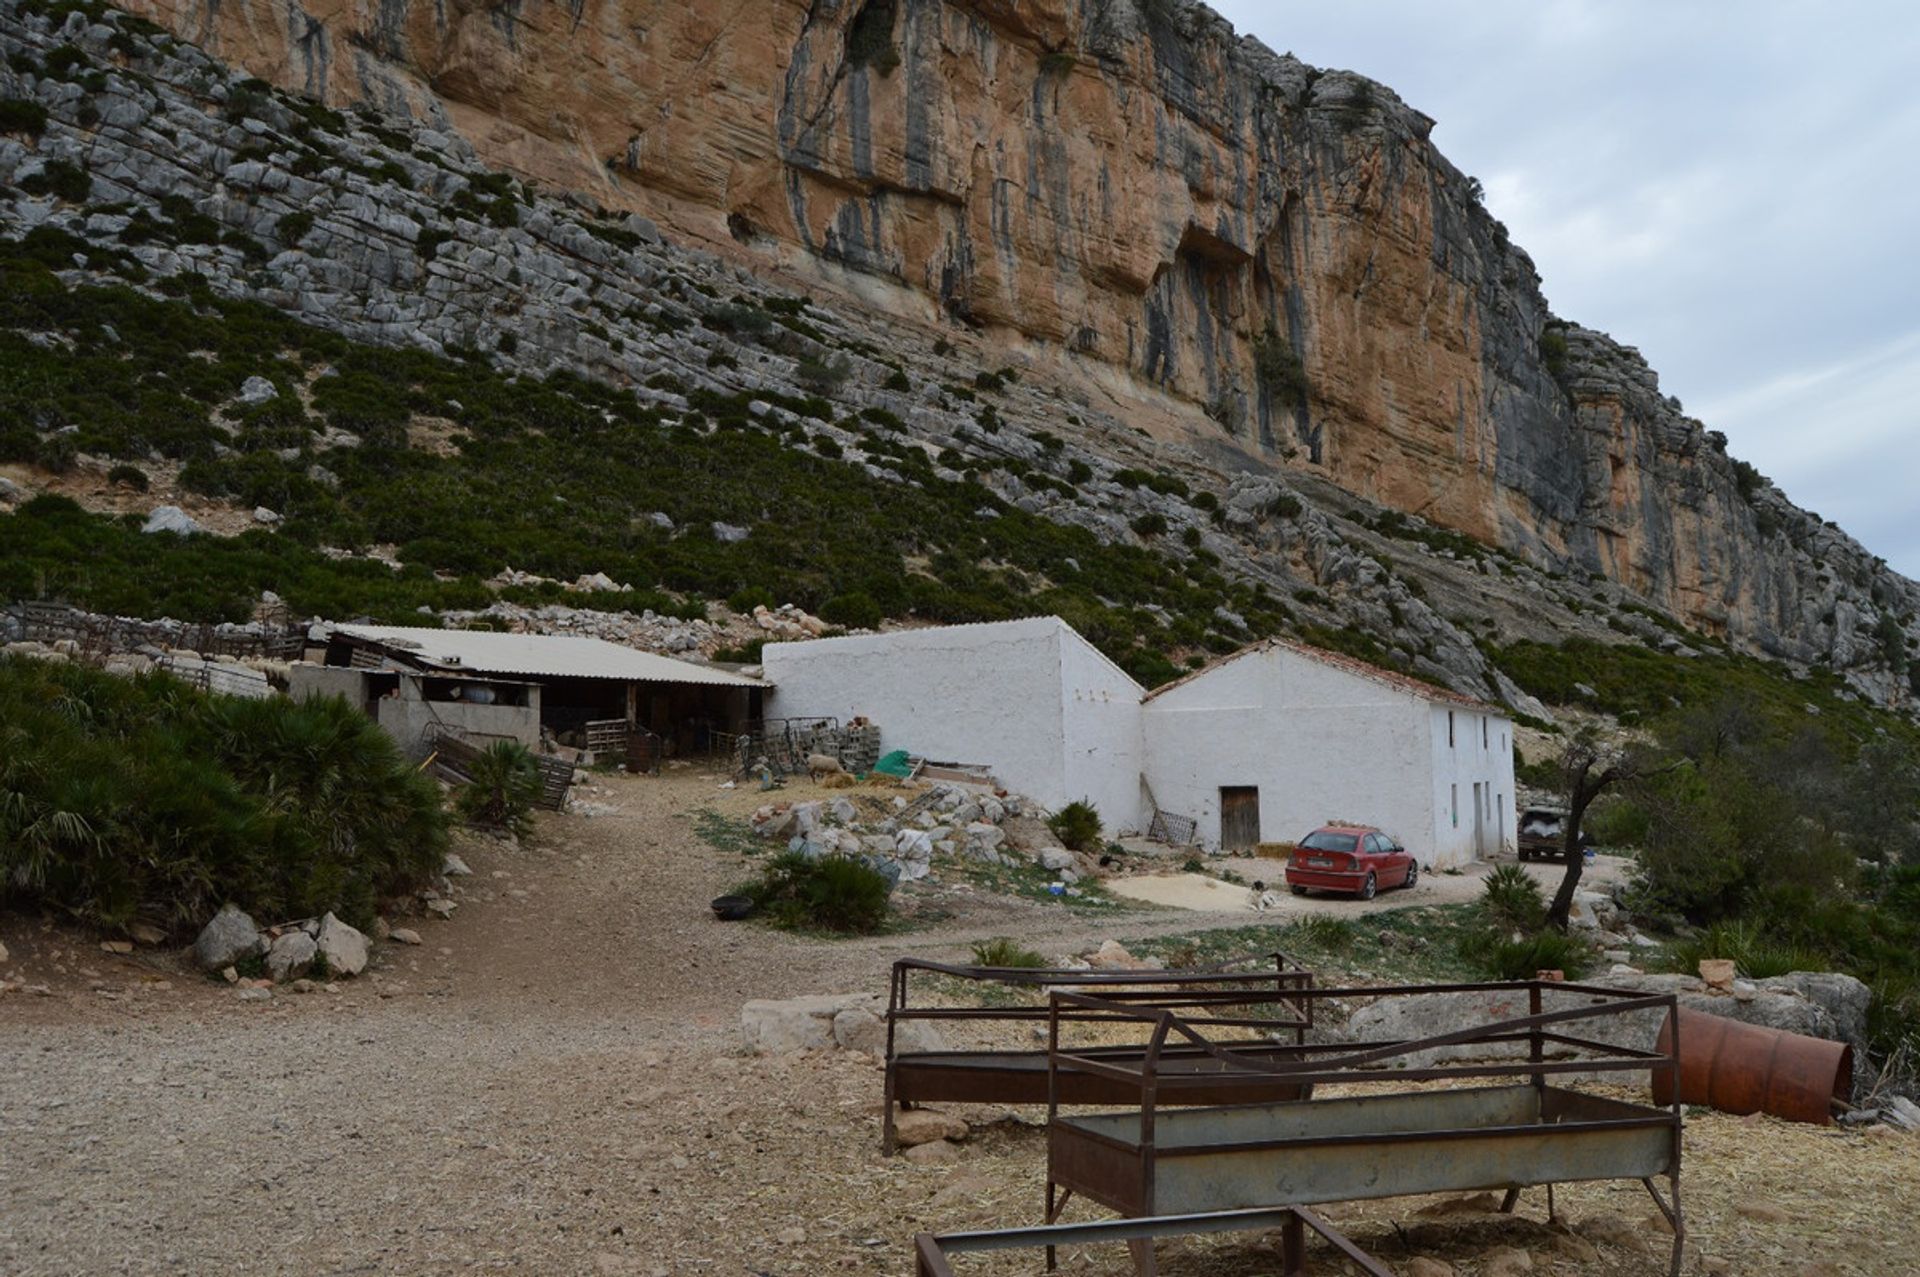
column 1016, row 1076
column 1258, row 1162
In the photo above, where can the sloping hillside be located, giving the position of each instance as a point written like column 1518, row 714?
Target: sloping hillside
column 460, row 374
column 1268, row 266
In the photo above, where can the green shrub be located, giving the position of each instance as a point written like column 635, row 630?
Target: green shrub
column 1511, row 898
column 127, row 476
column 140, row 799
column 856, row 611
column 1324, row 931
column 503, row 786
column 1501, row 956
column 832, row 893
column 1077, row 826
column 1151, row 524
column 61, row 180
column 1553, row 350
column 18, row 115
column 897, row 380
column 1003, row 952
column 1277, row 368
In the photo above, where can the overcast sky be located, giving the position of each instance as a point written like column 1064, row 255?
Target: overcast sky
column 1732, row 188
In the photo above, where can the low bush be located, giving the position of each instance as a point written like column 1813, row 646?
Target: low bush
column 1077, row 826
column 831, row 893
column 1511, row 898
column 60, row 179
column 18, row 115
column 128, row 476
column 503, row 786
column 1502, row 956
column 1003, row 952
column 1324, row 931
column 140, row 799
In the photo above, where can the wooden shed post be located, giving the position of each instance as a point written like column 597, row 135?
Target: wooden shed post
column 633, row 705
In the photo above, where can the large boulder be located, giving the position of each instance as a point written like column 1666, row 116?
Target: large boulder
column 344, row 948
column 769, row 1027
column 290, row 955
column 820, row 1021
column 170, row 518
column 912, row 1127
column 1820, row 1005
column 230, row 938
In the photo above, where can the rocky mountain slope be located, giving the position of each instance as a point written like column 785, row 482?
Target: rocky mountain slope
column 1174, row 219
column 1442, row 465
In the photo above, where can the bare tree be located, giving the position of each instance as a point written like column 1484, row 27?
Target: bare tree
column 1592, row 766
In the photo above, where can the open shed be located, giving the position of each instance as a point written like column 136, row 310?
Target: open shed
column 584, row 684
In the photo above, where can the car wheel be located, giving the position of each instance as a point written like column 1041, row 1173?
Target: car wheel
column 1298, row 891
column 1369, row 887
column 1413, row 873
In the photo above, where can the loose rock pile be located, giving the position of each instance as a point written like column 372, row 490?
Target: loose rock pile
column 291, row 951
column 901, row 837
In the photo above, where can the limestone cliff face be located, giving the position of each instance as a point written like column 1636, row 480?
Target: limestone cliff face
column 1129, row 186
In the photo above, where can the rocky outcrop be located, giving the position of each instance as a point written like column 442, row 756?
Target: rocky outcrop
column 1268, row 265
column 397, row 234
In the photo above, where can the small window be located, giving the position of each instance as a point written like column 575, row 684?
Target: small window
column 1456, row 805
column 1449, row 729
column 1483, row 733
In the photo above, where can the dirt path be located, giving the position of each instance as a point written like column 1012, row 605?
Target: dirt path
column 552, row 1084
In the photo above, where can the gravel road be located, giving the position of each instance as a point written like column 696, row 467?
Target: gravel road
column 552, row 1084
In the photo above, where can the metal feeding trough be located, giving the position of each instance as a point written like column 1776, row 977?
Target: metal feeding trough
column 1207, row 999
column 1204, row 1168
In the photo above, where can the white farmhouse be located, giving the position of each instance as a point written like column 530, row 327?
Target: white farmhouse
column 1279, row 738
column 1261, row 746
column 1053, row 717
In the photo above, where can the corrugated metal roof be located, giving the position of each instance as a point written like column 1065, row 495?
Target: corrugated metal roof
column 540, row 655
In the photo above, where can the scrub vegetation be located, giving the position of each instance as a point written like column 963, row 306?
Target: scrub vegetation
column 556, row 475
column 141, row 800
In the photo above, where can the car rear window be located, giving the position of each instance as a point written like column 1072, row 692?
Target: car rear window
column 1329, row 842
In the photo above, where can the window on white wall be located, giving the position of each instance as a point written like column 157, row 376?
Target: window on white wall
column 1449, row 729
column 1456, row 806
column 1483, row 733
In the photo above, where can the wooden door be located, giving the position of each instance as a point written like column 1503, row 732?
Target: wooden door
column 1239, row 817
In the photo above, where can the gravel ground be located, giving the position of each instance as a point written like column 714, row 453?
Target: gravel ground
column 552, row 1084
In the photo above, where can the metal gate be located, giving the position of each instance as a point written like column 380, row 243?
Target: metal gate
column 1239, row 817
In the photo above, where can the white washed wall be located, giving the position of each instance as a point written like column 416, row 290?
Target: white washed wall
column 1320, row 744
column 1104, row 754
column 966, row 693
column 1479, row 752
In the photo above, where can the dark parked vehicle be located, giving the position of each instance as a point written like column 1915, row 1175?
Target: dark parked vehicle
column 1543, row 834
column 1352, row 858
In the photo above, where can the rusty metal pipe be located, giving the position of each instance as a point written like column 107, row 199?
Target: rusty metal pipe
column 1745, row 1068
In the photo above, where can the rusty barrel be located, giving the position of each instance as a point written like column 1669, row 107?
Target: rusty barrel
column 1745, row 1068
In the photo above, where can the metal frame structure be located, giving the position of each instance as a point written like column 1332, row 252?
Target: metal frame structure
column 931, row 1250
column 1032, row 1077
column 1286, row 1155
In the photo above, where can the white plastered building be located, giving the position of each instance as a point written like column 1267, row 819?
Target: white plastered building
column 1053, row 717
column 1279, row 738
column 1261, row 746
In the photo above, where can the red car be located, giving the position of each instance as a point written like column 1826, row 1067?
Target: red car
column 1352, row 858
